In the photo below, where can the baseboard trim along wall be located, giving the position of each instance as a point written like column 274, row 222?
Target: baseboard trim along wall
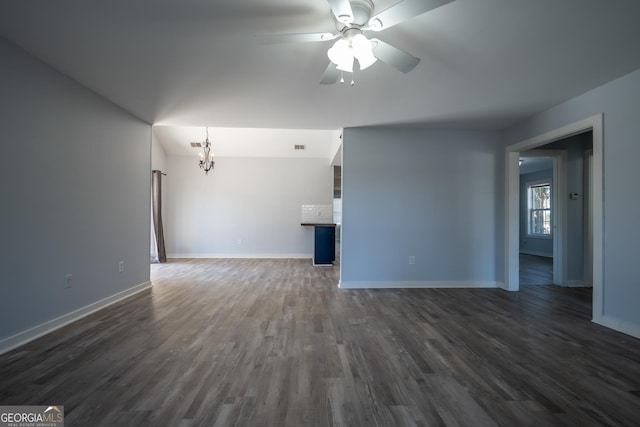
column 243, row 256
column 419, row 284
column 577, row 284
column 29, row 335
column 543, row 254
column 623, row 326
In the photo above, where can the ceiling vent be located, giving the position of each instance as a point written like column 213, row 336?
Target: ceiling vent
column 196, row 144
column 299, row 147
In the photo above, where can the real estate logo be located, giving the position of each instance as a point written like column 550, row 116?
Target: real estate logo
column 32, row 416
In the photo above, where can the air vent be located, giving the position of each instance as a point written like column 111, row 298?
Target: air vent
column 196, row 144
column 299, row 147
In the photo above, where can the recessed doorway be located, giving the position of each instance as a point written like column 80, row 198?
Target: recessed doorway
column 594, row 221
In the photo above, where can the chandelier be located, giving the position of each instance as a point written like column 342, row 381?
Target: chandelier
column 206, row 156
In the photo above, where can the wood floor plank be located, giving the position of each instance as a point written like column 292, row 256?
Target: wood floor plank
column 230, row 342
column 536, row 270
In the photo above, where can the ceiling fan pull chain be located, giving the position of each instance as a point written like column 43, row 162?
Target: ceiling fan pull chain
column 341, row 77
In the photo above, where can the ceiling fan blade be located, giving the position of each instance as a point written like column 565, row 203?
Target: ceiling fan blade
column 294, row 38
column 397, row 58
column 331, row 75
column 342, row 10
column 402, row 11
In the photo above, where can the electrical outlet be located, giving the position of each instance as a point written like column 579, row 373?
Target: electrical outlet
column 412, row 259
column 68, row 281
column 121, row 267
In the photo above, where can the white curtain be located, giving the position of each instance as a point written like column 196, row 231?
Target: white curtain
column 154, row 241
column 158, row 253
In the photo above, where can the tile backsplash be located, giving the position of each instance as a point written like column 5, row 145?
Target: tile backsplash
column 319, row 214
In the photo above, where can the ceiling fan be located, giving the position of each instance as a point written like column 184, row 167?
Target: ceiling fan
column 354, row 18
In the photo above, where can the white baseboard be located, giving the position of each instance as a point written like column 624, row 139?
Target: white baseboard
column 243, row 256
column 21, row 338
column 619, row 325
column 543, row 254
column 577, row 284
column 502, row 286
column 419, row 284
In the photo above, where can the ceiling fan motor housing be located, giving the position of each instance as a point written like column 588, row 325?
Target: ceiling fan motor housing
column 362, row 12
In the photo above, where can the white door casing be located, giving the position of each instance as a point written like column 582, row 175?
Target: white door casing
column 512, row 191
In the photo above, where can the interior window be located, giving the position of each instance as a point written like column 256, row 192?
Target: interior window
column 539, row 205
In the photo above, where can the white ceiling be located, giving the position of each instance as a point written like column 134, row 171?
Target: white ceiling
column 485, row 63
column 250, row 142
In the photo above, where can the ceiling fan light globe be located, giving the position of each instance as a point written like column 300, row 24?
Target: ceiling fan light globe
column 340, row 54
column 338, row 51
column 366, row 61
column 362, row 49
column 361, row 44
column 346, row 65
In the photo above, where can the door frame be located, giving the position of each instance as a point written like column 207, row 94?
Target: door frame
column 588, row 215
column 512, row 204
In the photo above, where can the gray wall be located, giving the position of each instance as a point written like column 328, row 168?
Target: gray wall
column 75, row 195
column 245, row 207
column 619, row 101
column 532, row 245
column 433, row 194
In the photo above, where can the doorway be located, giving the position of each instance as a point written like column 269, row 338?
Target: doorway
column 537, row 217
column 556, row 241
column 512, row 197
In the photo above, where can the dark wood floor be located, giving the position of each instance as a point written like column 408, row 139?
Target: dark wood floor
column 536, row 270
column 275, row 343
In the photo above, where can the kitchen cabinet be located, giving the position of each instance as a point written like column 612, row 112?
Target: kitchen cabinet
column 324, row 243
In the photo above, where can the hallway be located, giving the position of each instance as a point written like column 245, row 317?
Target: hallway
column 536, row 270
